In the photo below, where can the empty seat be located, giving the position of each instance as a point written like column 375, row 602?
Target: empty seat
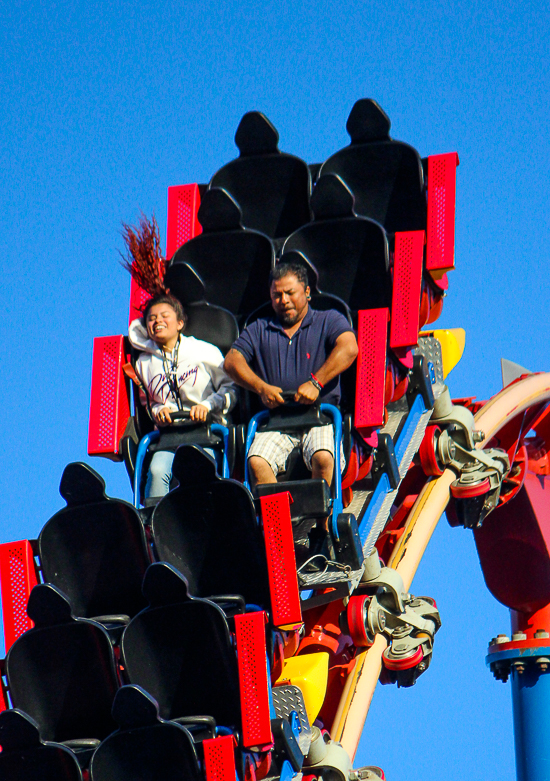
column 94, row 550
column 179, row 650
column 349, row 253
column 62, row 672
column 207, row 528
column 145, row 746
column 25, row 757
column 231, row 263
column 271, row 187
column 385, row 176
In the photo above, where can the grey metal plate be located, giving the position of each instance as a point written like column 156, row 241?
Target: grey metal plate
column 286, row 699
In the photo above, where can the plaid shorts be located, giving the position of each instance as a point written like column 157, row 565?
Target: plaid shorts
column 275, row 447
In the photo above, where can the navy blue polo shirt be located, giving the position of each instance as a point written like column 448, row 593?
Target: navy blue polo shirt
column 287, row 363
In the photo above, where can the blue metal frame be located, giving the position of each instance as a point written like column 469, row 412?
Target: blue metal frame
column 336, row 415
column 148, row 439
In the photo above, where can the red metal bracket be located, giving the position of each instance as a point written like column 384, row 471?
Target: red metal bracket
column 281, row 560
column 219, row 758
column 440, row 254
column 110, row 402
column 372, row 339
column 252, row 664
column 18, row 577
column 407, row 284
column 182, row 223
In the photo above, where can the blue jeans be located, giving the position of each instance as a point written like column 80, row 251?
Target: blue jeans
column 160, row 471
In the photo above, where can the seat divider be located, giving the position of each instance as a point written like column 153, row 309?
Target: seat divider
column 372, row 337
column 253, row 680
column 219, row 758
column 407, row 286
column 281, row 560
column 440, row 253
column 18, row 577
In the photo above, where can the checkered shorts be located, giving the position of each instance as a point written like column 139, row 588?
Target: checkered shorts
column 275, row 447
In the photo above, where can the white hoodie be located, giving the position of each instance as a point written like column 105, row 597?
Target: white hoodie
column 200, row 375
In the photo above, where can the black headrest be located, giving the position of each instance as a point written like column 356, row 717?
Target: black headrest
column 134, row 707
column 184, row 283
column 256, row 135
column 295, row 256
column 48, row 606
column 18, row 731
column 368, row 122
column 192, row 466
column 219, row 211
column 332, row 198
column 80, row 484
column 163, row 584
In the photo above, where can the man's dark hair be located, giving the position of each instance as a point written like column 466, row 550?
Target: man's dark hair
column 283, row 269
column 172, row 301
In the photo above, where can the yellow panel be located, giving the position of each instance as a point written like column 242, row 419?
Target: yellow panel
column 310, row 673
column 452, row 341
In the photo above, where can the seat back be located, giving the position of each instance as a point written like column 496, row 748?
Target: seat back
column 25, row 757
column 232, row 263
column 349, row 253
column 385, row 176
column 94, row 550
column 271, row 187
column 211, row 324
column 179, row 650
column 207, row 528
column 62, row 672
column 144, row 746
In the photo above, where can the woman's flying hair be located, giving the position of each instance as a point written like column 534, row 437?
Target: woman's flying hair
column 143, row 258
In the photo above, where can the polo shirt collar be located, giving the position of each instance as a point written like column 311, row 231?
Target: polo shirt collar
column 308, row 319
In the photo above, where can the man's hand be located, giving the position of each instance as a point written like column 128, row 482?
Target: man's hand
column 271, row 396
column 307, row 393
column 162, row 417
column 199, row 412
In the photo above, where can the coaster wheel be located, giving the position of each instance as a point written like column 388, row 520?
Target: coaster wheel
column 356, row 615
column 459, row 491
column 403, row 663
column 427, row 452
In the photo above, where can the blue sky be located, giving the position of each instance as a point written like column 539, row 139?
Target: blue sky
column 106, row 105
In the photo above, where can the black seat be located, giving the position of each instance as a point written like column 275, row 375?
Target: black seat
column 95, row 549
column 385, row 176
column 211, row 324
column 349, row 253
column 145, row 746
column 62, row 672
column 179, row 650
column 271, row 187
column 207, row 528
column 231, row 264
column 25, row 757
column 320, row 301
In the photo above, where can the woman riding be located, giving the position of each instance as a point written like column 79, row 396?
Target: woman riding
column 177, row 372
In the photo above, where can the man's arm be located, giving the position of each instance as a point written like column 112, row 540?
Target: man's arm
column 240, row 372
column 339, row 359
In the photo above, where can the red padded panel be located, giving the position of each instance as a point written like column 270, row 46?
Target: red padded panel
column 138, row 299
column 109, row 403
column 371, row 368
column 17, row 579
column 407, row 284
column 440, row 254
column 182, row 224
column 281, row 560
column 252, row 663
column 219, row 758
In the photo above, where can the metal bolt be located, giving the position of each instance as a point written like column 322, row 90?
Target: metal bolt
column 502, row 639
column 421, row 667
column 519, row 636
column 541, row 633
column 519, row 667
